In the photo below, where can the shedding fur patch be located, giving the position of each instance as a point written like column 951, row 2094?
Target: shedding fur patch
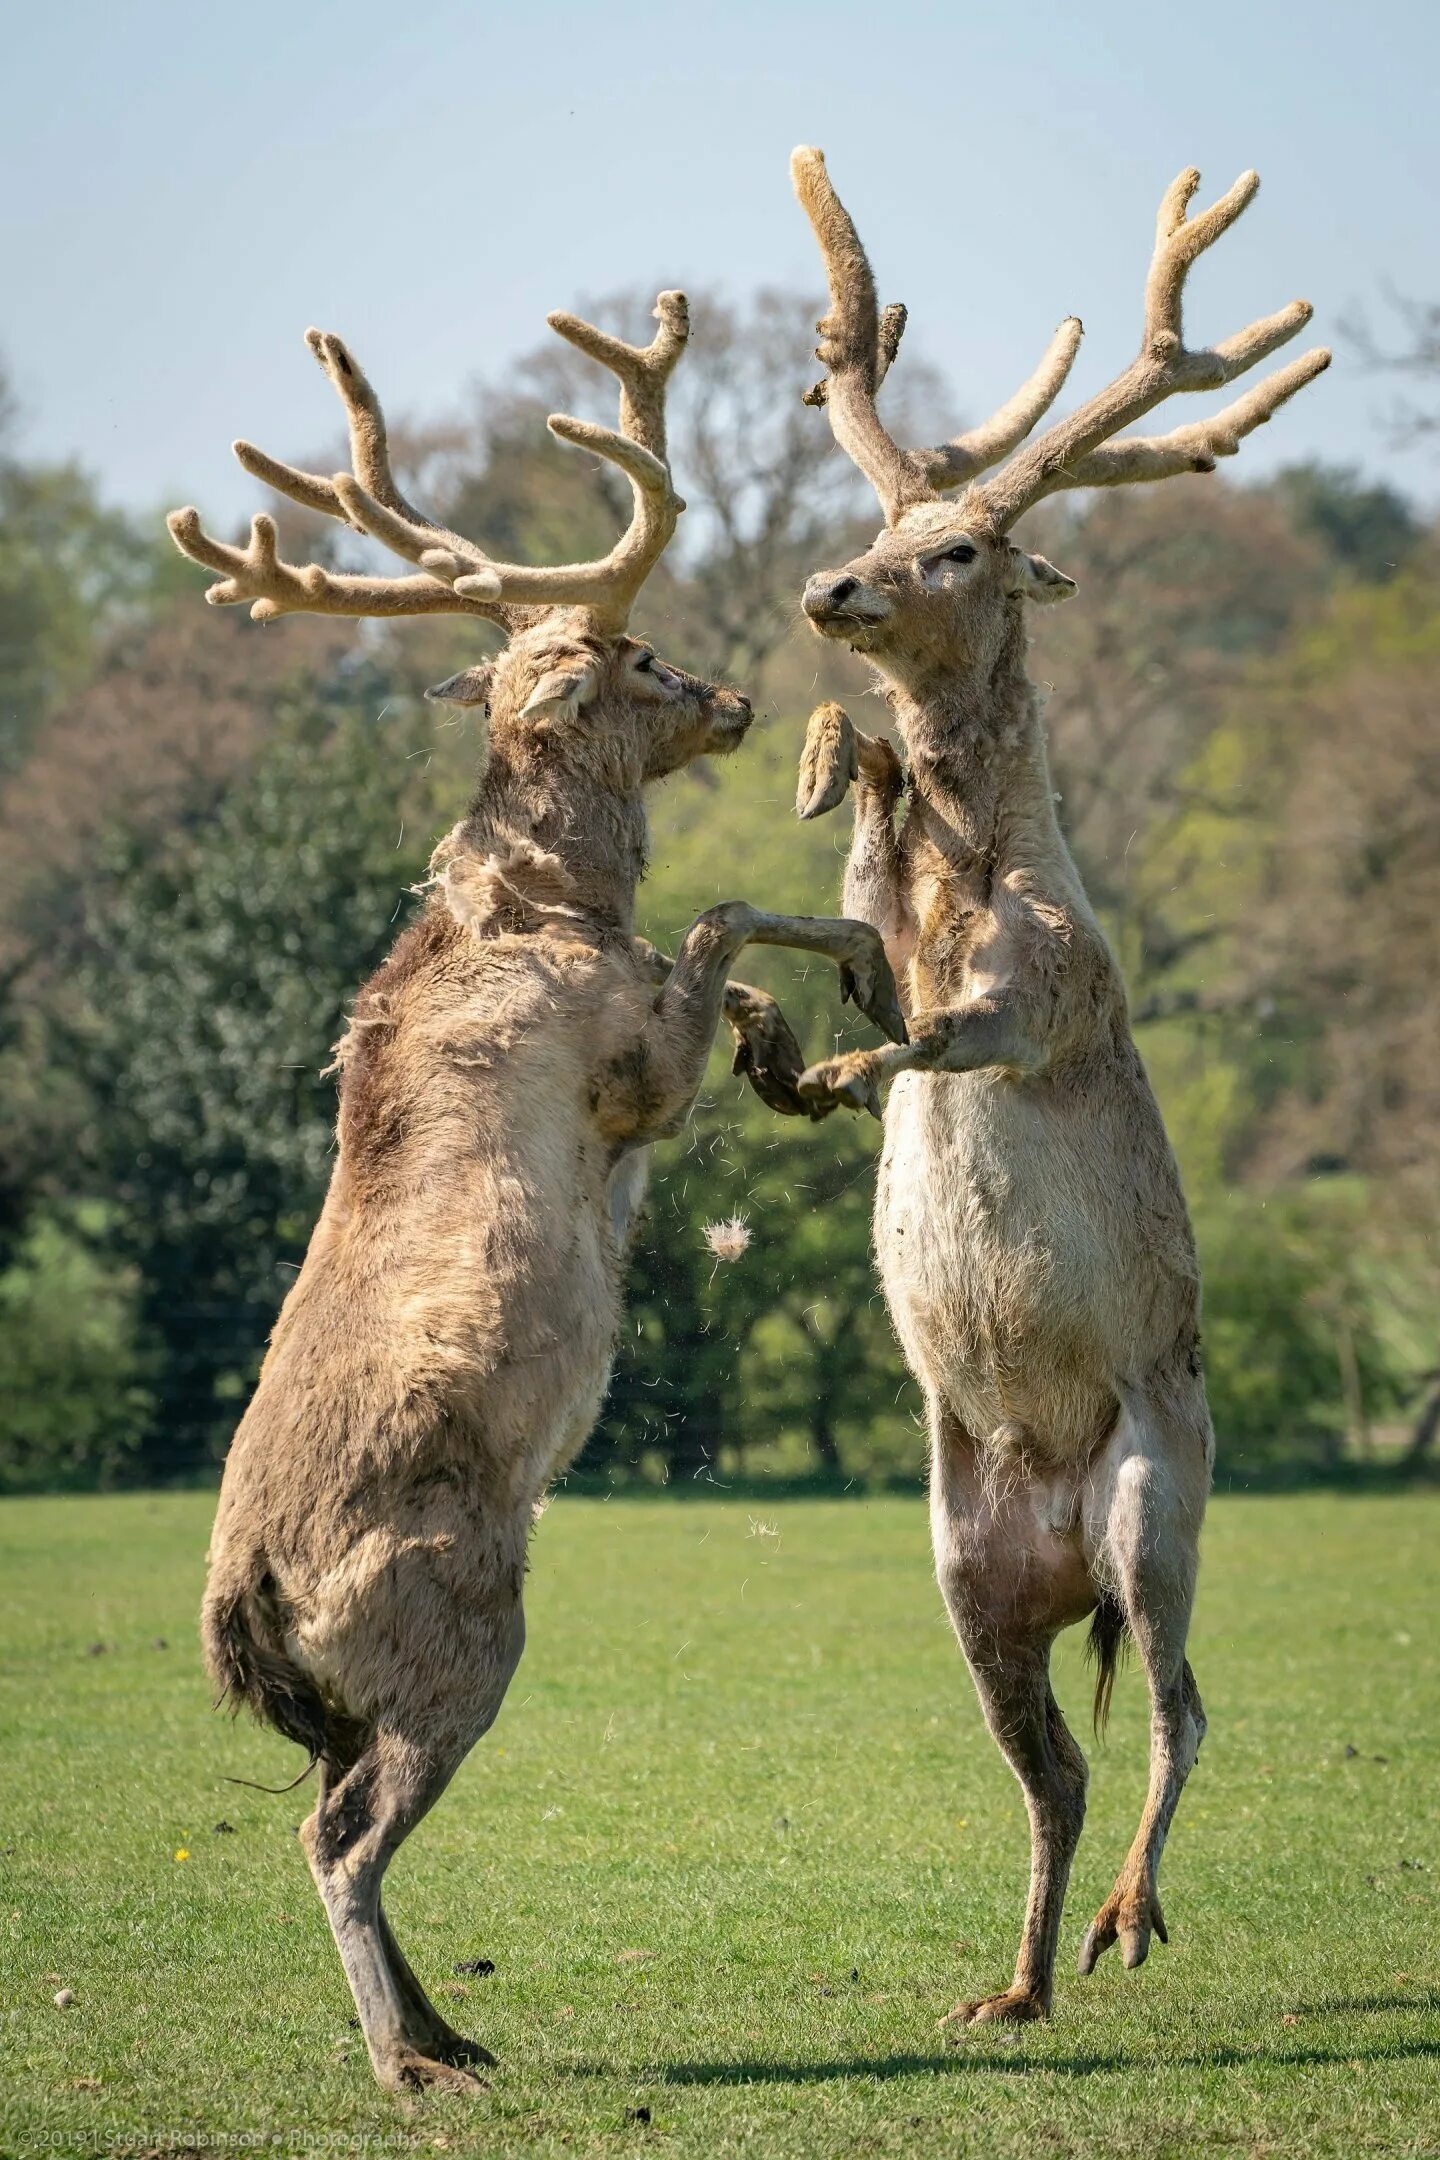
column 520, row 878
column 376, row 1016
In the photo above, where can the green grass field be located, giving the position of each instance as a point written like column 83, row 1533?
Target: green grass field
column 737, row 1842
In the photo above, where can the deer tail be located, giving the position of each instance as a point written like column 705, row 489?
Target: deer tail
column 243, row 1638
column 1105, row 1650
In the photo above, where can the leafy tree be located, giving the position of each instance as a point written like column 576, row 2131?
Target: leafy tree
column 1364, row 526
column 204, row 835
column 69, row 570
column 217, row 971
column 75, row 1405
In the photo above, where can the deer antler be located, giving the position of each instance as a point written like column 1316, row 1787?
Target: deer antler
column 607, row 588
column 858, row 346
column 1077, row 451
column 460, row 578
column 643, row 370
column 850, row 345
column 256, row 573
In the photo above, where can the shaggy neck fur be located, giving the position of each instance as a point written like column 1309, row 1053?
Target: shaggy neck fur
column 587, row 811
column 976, row 749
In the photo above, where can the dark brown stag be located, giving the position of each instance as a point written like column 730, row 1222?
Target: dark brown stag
column 444, row 1350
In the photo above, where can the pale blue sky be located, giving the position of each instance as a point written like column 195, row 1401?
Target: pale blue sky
column 187, row 187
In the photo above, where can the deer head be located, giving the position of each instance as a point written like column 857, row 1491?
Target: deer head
column 939, row 587
column 570, row 684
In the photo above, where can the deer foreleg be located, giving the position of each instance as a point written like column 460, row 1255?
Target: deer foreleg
column 874, row 887
column 657, row 1089
column 838, row 755
column 992, row 1031
column 766, row 1050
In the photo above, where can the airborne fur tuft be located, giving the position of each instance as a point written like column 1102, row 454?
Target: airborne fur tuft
column 728, row 1240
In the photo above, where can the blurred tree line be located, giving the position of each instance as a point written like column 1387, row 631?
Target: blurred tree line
column 209, row 832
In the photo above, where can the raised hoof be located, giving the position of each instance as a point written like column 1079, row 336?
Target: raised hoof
column 828, row 762
column 414, row 2072
column 769, row 1057
column 829, row 1083
column 871, row 986
column 1133, row 1936
column 1016, row 2006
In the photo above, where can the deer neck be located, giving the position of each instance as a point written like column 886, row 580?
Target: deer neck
column 597, row 831
column 976, row 749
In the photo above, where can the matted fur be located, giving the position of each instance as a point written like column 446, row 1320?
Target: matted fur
column 443, row 1353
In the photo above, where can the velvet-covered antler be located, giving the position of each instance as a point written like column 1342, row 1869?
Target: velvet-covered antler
column 457, row 575
column 858, row 344
column 1078, row 451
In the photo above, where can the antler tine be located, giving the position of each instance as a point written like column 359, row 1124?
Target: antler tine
column 950, row 464
column 1197, row 447
column 257, row 574
column 607, row 588
column 643, row 370
column 853, row 346
column 408, row 531
column 892, row 328
column 461, row 578
column 1163, row 366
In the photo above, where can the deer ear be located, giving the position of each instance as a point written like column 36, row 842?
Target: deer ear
column 560, row 694
column 470, row 687
column 1040, row 581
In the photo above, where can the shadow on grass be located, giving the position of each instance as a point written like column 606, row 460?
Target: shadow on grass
column 958, row 2060
column 1370, row 2005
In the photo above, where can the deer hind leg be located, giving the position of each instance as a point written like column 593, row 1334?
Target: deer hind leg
column 359, row 1823
column 1010, row 1583
column 1152, row 1500
column 368, row 1806
column 1013, row 1683
column 441, row 2041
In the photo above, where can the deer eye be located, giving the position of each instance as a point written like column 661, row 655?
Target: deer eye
column 963, row 553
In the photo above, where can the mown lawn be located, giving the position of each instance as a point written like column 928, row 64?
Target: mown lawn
column 737, row 1842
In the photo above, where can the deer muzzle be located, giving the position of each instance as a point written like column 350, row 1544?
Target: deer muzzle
column 837, row 604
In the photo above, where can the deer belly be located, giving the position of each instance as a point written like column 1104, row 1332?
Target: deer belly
column 991, row 1262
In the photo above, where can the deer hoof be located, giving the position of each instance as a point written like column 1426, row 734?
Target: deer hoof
column 423, row 2073
column 828, row 762
column 1132, row 1929
column 845, row 1080
column 769, row 1057
column 869, row 985
column 1134, row 1946
column 1014, row 2006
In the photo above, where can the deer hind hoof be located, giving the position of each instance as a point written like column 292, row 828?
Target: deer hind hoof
column 413, row 2072
column 1014, row 2006
column 1132, row 1932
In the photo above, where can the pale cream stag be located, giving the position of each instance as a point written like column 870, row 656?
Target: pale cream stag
column 1029, row 1221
